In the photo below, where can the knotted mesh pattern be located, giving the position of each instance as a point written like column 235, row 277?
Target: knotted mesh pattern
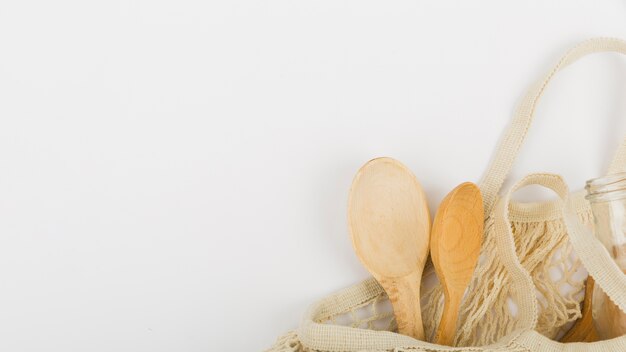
column 489, row 309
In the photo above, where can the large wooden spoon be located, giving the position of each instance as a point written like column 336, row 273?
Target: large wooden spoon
column 454, row 248
column 390, row 227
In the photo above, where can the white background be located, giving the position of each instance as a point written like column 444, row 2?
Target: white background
column 174, row 174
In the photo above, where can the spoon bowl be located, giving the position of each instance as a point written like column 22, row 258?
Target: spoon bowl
column 454, row 248
column 390, row 226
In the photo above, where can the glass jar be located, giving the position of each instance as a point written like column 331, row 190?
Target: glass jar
column 607, row 196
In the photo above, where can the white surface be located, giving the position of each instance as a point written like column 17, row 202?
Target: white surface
column 174, row 174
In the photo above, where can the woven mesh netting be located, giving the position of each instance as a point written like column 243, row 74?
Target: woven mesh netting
column 489, row 308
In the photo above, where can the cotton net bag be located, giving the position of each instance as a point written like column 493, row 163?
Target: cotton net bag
column 513, row 302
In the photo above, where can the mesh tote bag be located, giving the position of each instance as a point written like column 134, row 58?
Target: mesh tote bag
column 523, row 242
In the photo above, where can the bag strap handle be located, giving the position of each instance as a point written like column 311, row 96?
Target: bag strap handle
column 509, row 146
column 594, row 256
column 521, row 280
column 591, row 252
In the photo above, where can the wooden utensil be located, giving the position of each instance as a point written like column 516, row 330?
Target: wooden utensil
column 390, row 227
column 608, row 318
column 454, row 248
column 584, row 330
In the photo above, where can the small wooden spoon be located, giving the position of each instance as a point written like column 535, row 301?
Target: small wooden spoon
column 584, row 330
column 390, row 226
column 454, row 248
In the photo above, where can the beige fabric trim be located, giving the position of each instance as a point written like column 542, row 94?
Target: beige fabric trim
column 547, row 211
column 508, row 149
column 534, row 341
column 317, row 336
column 594, row 256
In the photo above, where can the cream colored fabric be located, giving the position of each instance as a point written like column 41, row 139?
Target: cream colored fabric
column 543, row 249
column 596, row 259
column 513, row 139
column 523, row 243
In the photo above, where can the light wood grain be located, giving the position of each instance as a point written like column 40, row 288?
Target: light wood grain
column 455, row 247
column 584, row 330
column 390, row 228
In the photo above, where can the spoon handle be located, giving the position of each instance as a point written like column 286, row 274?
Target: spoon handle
column 584, row 330
column 404, row 294
column 447, row 325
